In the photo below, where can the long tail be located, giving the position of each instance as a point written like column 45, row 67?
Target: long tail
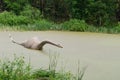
column 11, row 38
column 40, row 46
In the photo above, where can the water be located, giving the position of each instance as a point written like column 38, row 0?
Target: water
column 98, row 52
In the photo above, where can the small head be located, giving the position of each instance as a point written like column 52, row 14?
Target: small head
column 60, row 46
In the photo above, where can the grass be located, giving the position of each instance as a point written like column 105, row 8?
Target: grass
column 14, row 70
column 17, row 69
column 66, row 26
column 29, row 22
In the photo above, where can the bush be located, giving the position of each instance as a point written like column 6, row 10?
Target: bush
column 15, row 6
column 8, row 18
column 42, row 25
column 14, row 70
column 117, row 28
column 17, row 69
column 75, row 25
column 46, row 75
column 31, row 12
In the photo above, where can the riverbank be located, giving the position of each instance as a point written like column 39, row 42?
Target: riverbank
column 72, row 25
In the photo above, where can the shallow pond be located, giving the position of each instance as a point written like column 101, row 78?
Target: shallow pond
column 99, row 52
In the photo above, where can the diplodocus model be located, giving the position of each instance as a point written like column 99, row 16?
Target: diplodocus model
column 34, row 43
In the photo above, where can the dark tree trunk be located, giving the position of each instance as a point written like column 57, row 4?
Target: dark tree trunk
column 118, row 11
column 1, row 5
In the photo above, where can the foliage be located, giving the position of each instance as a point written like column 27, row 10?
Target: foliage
column 116, row 29
column 72, row 15
column 100, row 13
column 42, row 25
column 9, row 18
column 94, row 12
column 15, row 5
column 75, row 25
column 14, row 70
column 46, row 74
column 79, row 8
column 31, row 12
column 52, row 74
column 17, row 69
column 55, row 10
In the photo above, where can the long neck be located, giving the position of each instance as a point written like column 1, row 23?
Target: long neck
column 40, row 46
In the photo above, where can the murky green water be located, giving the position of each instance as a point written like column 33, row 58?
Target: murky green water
column 99, row 52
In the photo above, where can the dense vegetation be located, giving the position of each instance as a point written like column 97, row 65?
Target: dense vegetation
column 74, row 15
column 17, row 69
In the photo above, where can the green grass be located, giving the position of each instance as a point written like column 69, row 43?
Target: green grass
column 17, row 69
column 14, row 70
column 18, row 24
column 27, row 22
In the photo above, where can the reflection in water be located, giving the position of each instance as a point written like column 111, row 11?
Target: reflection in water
column 100, row 52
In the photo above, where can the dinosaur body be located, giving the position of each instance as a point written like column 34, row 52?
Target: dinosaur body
column 34, row 43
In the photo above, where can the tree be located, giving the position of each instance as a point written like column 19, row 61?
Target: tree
column 101, row 12
column 95, row 12
column 118, row 10
column 1, row 5
column 15, row 5
column 57, row 10
column 40, row 4
column 79, row 8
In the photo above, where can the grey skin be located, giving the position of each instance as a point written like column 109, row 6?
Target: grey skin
column 34, row 43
